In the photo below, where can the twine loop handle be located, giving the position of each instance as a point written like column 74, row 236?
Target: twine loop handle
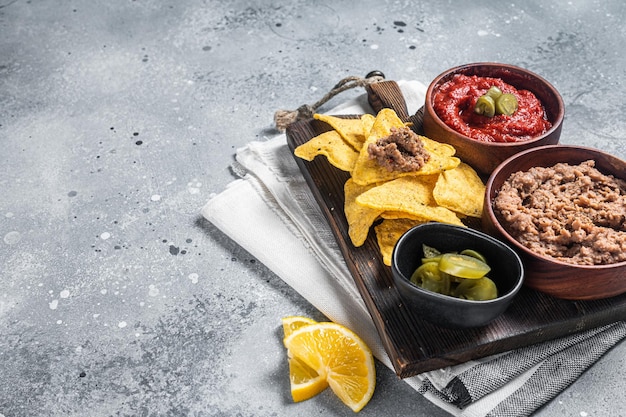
column 283, row 118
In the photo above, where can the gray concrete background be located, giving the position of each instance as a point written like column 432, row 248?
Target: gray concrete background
column 119, row 120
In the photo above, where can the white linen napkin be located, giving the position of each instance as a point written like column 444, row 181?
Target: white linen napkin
column 272, row 214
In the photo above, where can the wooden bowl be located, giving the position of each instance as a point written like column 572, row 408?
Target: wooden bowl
column 485, row 156
column 544, row 273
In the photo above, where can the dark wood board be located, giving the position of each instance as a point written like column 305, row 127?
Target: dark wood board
column 413, row 344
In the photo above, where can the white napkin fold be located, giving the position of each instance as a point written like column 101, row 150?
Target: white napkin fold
column 272, row 214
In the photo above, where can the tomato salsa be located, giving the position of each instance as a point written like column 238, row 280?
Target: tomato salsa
column 455, row 100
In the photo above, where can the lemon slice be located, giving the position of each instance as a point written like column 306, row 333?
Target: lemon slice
column 291, row 323
column 305, row 383
column 339, row 357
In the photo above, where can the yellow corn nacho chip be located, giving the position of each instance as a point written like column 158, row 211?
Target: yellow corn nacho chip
column 359, row 218
column 460, row 190
column 394, row 215
column 331, row 145
column 391, row 202
column 367, row 121
column 440, row 149
column 351, row 130
column 412, row 195
column 387, row 234
column 367, row 171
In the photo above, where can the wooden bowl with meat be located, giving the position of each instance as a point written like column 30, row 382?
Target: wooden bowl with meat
column 563, row 209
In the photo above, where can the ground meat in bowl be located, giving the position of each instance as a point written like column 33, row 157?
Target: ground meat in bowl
column 572, row 213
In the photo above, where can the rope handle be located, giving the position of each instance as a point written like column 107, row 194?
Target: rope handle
column 283, row 118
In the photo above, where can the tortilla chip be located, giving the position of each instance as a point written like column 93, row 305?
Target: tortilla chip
column 440, row 149
column 367, row 121
column 331, row 145
column 460, row 190
column 351, row 130
column 412, row 195
column 367, row 171
column 394, row 215
column 359, row 218
column 387, row 234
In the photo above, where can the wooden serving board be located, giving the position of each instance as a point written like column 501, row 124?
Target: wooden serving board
column 413, row 344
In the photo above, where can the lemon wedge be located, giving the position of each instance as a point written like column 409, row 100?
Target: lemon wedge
column 338, row 356
column 304, row 382
column 291, row 323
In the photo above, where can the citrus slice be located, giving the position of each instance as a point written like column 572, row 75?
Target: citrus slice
column 291, row 323
column 338, row 356
column 305, row 382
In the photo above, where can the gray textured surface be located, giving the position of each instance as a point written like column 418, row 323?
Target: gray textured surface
column 118, row 120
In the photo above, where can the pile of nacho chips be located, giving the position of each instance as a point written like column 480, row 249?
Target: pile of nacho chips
column 444, row 190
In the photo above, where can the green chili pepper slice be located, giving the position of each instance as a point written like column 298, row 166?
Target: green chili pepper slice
column 494, row 92
column 486, row 106
column 506, row 104
column 430, row 252
column 432, row 259
column 463, row 266
column 476, row 289
column 429, row 277
column 474, row 254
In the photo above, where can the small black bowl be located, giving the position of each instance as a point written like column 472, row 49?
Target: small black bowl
column 507, row 272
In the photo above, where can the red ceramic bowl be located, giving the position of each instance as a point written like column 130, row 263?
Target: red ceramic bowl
column 485, row 156
column 543, row 273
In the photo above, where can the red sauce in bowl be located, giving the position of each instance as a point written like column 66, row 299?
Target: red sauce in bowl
column 454, row 103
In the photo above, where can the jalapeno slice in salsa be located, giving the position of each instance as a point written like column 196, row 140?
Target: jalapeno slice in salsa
column 486, row 106
column 495, row 102
column 506, row 104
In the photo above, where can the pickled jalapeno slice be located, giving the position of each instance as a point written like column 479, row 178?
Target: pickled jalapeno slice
column 494, row 102
column 474, row 254
column 506, row 104
column 486, row 106
column 429, row 277
column 476, row 289
column 494, row 92
column 463, row 266
column 462, row 275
